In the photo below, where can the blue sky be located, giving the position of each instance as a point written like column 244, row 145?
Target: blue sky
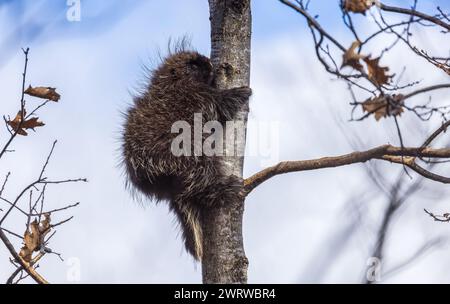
column 100, row 14
column 41, row 21
column 97, row 62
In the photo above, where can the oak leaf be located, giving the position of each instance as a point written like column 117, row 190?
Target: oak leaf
column 33, row 238
column 358, row 6
column 383, row 106
column 43, row 92
column 17, row 125
column 351, row 57
column 376, row 73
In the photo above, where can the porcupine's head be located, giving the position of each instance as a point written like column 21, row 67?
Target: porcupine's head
column 186, row 66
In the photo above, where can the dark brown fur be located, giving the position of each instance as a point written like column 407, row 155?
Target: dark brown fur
column 181, row 86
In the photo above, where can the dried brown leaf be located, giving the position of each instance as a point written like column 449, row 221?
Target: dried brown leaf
column 376, row 73
column 20, row 128
column 33, row 238
column 43, row 92
column 352, row 58
column 45, row 225
column 31, row 241
column 383, row 106
column 358, row 6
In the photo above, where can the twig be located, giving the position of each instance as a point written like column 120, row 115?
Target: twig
column 22, row 105
column 415, row 13
column 439, row 218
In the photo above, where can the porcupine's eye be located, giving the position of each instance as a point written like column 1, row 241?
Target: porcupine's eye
column 194, row 64
column 198, row 69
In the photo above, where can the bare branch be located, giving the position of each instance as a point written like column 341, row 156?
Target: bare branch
column 313, row 22
column 390, row 153
column 37, row 221
column 428, row 89
column 4, row 183
column 415, row 13
column 439, row 218
column 22, row 105
column 20, row 268
column 29, row 269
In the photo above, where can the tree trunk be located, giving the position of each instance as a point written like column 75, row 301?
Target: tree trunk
column 224, row 259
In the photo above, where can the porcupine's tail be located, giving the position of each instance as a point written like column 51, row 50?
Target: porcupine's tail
column 190, row 205
column 191, row 228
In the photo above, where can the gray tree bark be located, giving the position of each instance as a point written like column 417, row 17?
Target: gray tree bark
column 224, row 259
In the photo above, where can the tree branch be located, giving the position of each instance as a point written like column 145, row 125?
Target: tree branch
column 22, row 105
column 313, row 22
column 386, row 152
column 415, row 13
column 29, row 269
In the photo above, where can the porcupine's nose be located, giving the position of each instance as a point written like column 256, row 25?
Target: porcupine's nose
column 211, row 77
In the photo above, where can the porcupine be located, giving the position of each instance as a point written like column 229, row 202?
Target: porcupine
column 182, row 85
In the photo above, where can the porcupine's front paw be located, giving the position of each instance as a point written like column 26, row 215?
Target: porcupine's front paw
column 243, row 92
column 235, row 100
